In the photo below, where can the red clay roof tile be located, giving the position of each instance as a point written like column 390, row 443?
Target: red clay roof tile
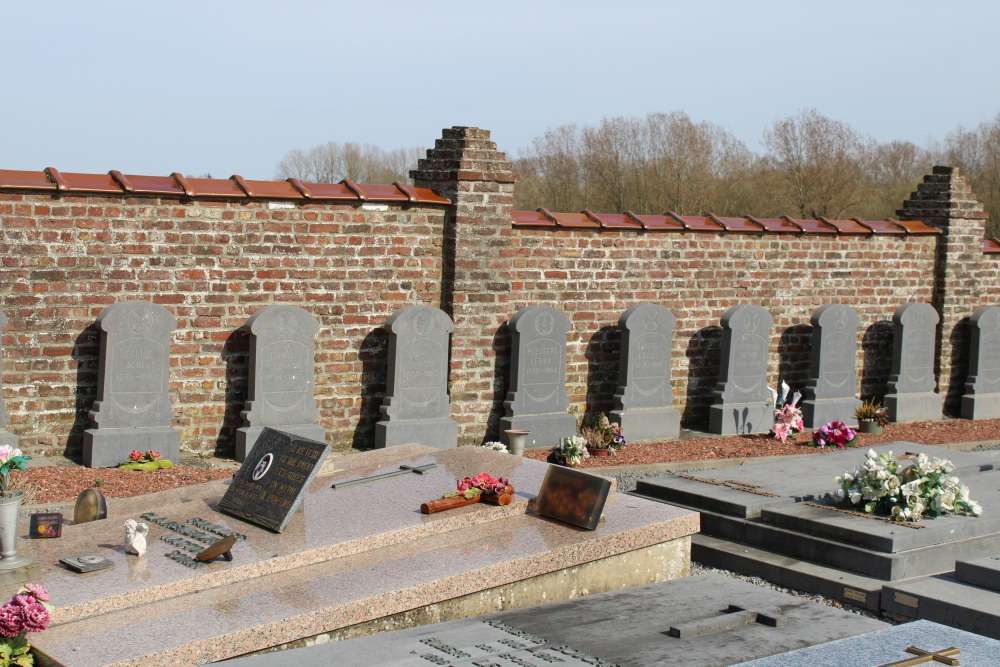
column 697, row 223
column 737, row 224
column 613, row 220
column 991, row 246
column 846, row 226
column 777, row 225
column 657, row 222
column 811, row 226
column 25, row 180
column 577, row 220
column 915, row 226
column 880, row 226
column 531, row 219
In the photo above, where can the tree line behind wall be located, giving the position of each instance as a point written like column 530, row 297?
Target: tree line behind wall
column 813, row 166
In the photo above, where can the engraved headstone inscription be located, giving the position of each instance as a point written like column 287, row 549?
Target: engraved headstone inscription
column 644, row 397
column 742, row 400
column 6, row 438
column 982, row 388
column 537, row 398
column 270, row 486
column 132, row 411
column 416, row 407
column 282, row 376
column 572, row 496
column 911, row 395
column 830, row 391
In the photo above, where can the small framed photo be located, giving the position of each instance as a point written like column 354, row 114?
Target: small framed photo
column 45, row 524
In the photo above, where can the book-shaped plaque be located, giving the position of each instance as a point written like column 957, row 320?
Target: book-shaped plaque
column 271, row 484
column 573, row 496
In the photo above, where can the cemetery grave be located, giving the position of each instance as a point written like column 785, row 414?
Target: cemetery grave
column 353, row 559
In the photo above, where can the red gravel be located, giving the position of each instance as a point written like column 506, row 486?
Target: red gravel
column 62, row 484
column 740, row 446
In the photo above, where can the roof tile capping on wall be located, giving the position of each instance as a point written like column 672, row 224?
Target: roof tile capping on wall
column 234, row 187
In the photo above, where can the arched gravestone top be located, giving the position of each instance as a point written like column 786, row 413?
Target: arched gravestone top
column 647, row 338
column 282, row 370
column 984, row 357
column 913, row 343
column 834, row 352
column 745, row 341
column 417, row 386
column 538, row 361
column 4, row 415
column 134, row 366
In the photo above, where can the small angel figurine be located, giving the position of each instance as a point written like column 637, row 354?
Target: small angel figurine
column 135, row 537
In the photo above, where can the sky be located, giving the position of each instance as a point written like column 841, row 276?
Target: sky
column 228, row 88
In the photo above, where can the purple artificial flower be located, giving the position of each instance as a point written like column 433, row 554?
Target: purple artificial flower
column 36, row 617
column 11, row 620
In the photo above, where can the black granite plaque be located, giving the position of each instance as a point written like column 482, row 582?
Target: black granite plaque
column 573, row 496
column 46, row 524
column 270, row 485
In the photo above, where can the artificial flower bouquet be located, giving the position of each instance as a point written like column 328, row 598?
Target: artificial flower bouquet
column 787, row 415
column 11, row 458
column 835, row 434
column 604, row 434
column 150, row 460
column 28, row 611
column 572, row 450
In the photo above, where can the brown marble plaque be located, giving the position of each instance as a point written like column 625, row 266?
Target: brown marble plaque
column 573, row 496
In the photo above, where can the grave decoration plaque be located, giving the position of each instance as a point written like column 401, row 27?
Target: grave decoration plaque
column 644, row 398
column 537, row 400
column 982, row 389
column 416, row 407
column 45, row 524
column 911, row 395
column 90, row 506
column 572, row 496
column 282, row 376
column 742, row 400
column 270, row 485
column 6, row 438
column 86, row 563
column 132, row 411
column 830, row 392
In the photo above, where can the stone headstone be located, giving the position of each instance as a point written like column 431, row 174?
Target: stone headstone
column 90, row 506
column 911, row 395
column 644, row 398
column 132, row 411
column 282, row 376
column 6, row 438
column 832, row 386
column 742, row 400
column 270, row 485
column 982, row 389
column 416, row 407
column 537, row 400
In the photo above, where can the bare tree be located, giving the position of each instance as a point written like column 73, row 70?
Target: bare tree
column 332, row 162
column 977, row 153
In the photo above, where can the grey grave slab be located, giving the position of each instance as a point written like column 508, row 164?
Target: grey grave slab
column 829, row 393
column 889, row 645
column 742, row 402
column 796, row 479
column 911, row 394
column 943, row 599
column 982, row 572
column 416, row 408
column 271, row 484
column 537, row 399
column 644, row 398
column 982, row 389
column 282, row 376
column 6, row 438
column 132, row 410
column 631, row 627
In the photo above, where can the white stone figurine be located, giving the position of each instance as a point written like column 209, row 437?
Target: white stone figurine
column 135, row 537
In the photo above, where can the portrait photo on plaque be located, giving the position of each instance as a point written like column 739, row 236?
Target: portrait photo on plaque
column 572, row 496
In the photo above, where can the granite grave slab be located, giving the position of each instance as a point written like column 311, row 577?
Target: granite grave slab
column 6, row 437
column 889, row 645
column 416, row 407
column 982, row 572
column 537, row 399
column 943, row 598
column 282, row 376
column 643, row 402
column 742, row 402
column 830, row 392
column 132, row 411
column 355, row 555
column 982, row 389
column 911, row 395
column 629, row 628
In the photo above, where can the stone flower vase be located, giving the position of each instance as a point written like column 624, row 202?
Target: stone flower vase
column 516, row 440
column 10, row 512
column 867, row 426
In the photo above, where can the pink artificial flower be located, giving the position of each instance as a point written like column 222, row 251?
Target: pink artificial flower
column 41, row 594
column 464, row 485
column 781, row 431
column 798, row 424
column 134, row 456
column 36, row 617
column 11, row 620
column 21, row 600
column 153, row 456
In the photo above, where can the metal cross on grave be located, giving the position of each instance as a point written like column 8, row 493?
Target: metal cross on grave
column 923, row 657
column 732, row 617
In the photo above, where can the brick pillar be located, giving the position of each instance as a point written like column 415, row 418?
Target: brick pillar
column 945, row 201
column 466, row 167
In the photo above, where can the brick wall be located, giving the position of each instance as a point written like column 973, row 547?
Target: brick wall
column 213, row 261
